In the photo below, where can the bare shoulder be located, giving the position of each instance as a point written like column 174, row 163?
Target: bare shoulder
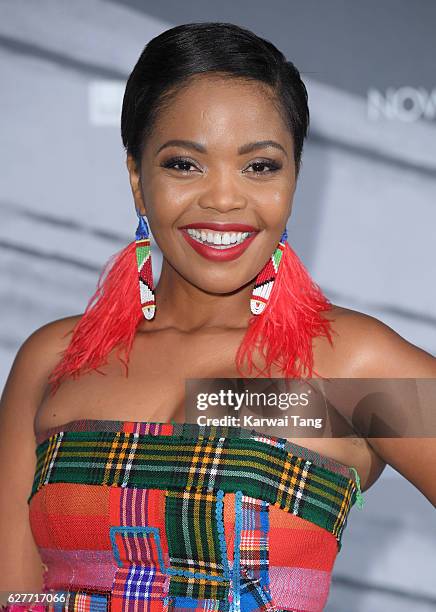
column 56, row 332
column 364, row 346
column 51, row 338
column 40, row 352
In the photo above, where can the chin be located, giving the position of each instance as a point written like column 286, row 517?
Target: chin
column 219, row 286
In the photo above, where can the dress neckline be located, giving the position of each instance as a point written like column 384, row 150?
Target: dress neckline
column 156, row 428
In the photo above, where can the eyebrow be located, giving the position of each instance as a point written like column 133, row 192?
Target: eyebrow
column 247, row 148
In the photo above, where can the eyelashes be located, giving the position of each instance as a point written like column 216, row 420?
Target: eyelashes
column 183, row 161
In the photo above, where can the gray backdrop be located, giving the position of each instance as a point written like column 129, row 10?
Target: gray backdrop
column 364, row 213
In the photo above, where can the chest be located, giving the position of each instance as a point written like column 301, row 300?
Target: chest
column 154, row 389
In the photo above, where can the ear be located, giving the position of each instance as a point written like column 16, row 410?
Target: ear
column 135, row 184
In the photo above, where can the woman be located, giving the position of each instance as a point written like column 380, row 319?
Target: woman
column 127, row 505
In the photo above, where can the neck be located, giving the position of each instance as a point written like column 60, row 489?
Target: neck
column 184, row 306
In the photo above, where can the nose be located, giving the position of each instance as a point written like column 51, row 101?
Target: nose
column 222, row 193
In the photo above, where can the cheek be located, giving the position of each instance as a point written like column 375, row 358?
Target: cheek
column 279, row 187
column 165, row 206
column 275, row 206
column 282, row 192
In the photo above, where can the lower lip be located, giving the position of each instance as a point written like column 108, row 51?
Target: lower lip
column 219, row 254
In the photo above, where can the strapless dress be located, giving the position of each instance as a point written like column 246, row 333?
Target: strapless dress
column 148, row 516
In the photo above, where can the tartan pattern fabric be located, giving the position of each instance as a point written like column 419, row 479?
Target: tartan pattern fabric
column 62, row 601
column 195, row 553
column 139, row 551
column 157, row 517
column 260, row 470
column 255, row 594
column 80, row 601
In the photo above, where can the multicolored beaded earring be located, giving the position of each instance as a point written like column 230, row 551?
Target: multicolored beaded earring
column 266, row 277
column 143, row 258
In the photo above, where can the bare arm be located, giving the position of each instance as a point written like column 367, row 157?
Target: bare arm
column 385, row 354
column 20, row 563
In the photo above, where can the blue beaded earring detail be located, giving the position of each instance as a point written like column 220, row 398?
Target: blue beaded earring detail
column 266, row 277
column 143, row 258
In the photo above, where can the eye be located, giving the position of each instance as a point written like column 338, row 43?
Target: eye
column 178, row 161
column 273, row 165
column 182, row 164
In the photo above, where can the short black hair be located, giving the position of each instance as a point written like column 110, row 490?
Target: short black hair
column 170, row 60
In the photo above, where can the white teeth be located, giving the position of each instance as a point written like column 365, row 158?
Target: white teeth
column 220, row 240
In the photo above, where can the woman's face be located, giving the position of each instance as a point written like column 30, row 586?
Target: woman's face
column 217, row 179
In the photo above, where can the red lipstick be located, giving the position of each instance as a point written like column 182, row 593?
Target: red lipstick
column 214, row 254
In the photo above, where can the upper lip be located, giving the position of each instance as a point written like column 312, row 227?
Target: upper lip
column 221, row 227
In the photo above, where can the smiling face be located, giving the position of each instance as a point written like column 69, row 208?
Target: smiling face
column 201, row 168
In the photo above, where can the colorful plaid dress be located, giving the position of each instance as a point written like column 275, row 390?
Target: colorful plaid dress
column 158, row 517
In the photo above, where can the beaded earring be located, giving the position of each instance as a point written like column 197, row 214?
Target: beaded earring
column 143, row 258
column 266, row 277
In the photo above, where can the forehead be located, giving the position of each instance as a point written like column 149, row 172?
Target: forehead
column 215, row 108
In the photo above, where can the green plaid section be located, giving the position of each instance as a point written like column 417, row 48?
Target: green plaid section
column 175, row 463
column 196, row 561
